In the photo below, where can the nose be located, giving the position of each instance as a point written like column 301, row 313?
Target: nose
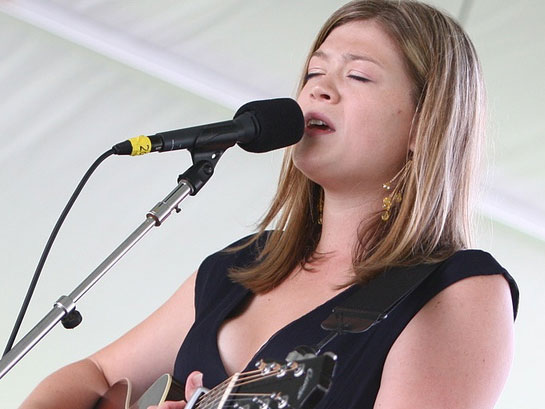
column 324, row 90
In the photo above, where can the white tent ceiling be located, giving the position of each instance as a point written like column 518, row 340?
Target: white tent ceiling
column 232, row 51
column 77, row 76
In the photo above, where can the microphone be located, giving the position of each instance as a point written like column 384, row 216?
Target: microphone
column 258, row 126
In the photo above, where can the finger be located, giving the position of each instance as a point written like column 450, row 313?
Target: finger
column 193, row 382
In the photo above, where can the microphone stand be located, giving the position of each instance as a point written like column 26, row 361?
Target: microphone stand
column 189, row 183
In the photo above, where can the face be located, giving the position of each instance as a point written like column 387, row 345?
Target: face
column 358, row 109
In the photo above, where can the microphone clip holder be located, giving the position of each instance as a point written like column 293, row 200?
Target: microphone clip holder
column 204, row 162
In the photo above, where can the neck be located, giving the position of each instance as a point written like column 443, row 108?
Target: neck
column 342, row 216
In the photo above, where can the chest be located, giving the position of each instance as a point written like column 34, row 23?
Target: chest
column 261, row 317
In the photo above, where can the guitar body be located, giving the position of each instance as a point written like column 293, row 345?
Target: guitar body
column 119, row 395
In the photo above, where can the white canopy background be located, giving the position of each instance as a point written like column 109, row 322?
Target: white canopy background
column 77, row 76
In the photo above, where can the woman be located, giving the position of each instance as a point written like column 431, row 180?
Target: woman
column 394, row 106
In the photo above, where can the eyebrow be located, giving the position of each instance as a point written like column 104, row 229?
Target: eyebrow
column 347, row 57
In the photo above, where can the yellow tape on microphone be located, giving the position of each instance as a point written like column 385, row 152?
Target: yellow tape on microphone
column 140, row 145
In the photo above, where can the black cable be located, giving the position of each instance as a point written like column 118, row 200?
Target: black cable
column 48, row 246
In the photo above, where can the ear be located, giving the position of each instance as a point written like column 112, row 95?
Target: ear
column 412, row 132
column 412, row 143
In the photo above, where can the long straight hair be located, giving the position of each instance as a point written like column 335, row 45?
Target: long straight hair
column 434, row 218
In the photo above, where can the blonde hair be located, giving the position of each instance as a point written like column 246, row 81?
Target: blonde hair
column 434, row 219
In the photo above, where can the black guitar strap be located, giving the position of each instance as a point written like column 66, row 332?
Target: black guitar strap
column 372, row 302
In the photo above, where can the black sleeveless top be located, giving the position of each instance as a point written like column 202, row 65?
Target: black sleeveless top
column 360, row 357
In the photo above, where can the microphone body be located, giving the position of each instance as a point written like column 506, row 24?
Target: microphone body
column 258, row 126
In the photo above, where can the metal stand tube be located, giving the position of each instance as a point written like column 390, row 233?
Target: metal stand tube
column 67, row 304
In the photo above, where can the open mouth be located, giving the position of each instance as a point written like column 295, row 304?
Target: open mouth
column 318, row 124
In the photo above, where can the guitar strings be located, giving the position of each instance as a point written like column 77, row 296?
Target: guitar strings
column 213, row 397
column 220, row 388
column 254, row 378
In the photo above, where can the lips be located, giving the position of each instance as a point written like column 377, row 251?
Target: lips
column 316, row 124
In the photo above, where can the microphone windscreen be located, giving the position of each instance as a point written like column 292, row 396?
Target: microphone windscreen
column 280, row 121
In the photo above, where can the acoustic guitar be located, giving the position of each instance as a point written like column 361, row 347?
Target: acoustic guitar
column 298, row 384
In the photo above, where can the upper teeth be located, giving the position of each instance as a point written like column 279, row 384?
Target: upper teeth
column 316, row 122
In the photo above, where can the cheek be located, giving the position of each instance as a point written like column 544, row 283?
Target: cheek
column 404, row 120
column 380, row 137
column 372, row 128
column 398, row 122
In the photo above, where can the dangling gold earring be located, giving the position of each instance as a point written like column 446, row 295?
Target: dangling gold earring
column 395, row 197
column 387, row 203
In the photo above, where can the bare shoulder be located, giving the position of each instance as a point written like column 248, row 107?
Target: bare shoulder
column 149, row 349
column 456, row 352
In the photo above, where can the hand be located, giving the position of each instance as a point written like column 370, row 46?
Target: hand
column 192, row 383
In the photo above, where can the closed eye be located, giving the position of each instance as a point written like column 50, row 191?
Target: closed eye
column 359, row 78
column 311, row 75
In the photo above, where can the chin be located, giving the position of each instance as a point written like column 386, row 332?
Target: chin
column 307, row 164
column 315, row 171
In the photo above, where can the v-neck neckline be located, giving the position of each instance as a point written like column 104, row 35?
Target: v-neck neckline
column 244, row 297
